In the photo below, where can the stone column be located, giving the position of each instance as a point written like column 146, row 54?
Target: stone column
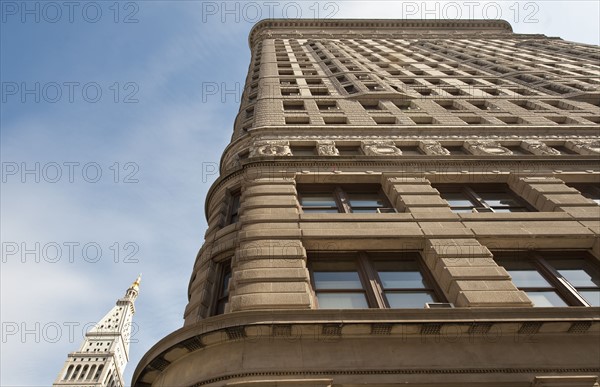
column 269, row 266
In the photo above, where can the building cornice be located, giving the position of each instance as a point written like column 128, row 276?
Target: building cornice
column 375, row 26
column 236, row 326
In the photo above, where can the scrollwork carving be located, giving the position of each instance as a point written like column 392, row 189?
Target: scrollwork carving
column 584, row 147
column 433, row 148
column 271, row 148
column 539, row 148
column 327, row 148
column 380, row 148
column 487, row 148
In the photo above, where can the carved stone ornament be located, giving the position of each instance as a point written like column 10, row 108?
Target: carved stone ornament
column 235, row 161
column 380, row 148
column 327, row 148
column 584, row 147
column 271, row 148
column 487, row 148
column 433, row 148
column 539, row 148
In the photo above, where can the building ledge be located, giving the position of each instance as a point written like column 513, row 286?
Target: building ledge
column 353, row 323
column 382, row 25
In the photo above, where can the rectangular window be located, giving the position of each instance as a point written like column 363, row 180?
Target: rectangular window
column 293, row 105
column 234, row 207
column 327, row 105
column 303, row 150
column 350, row 198
column 372, row 280
column 568, row 278
column 482, row 198
column 223, row 288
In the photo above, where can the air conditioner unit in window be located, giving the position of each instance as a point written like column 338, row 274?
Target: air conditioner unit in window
column 386, row 210
column 436, row 305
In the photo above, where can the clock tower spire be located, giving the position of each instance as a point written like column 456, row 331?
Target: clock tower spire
column 101, row 359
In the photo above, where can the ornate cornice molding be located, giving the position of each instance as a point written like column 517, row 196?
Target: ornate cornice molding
column 373, row 27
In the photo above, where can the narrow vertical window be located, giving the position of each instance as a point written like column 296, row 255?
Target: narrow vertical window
column 234, row 208
column 223, row 289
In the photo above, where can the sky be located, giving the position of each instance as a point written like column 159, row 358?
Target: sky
column 113, row 117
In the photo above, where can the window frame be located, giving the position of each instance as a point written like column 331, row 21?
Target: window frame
column 233, row 207
column 223, row 269
column 541, row 261
column 473, row 193
column 372, row 285
column 341, row 195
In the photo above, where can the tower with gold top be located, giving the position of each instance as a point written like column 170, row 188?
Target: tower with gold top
column 101, row 359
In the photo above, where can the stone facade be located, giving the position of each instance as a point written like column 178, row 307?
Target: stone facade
column 480, row 146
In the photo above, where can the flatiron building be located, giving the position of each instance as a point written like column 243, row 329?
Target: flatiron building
column 402, row 203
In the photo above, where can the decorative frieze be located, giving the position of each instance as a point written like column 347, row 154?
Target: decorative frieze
column 486, row 148
column 327, row 148
column 584, row 147
column 380, row 148
column 539, row 148
column 271, row 148
column 433, row 148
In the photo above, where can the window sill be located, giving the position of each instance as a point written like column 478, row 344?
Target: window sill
column 366, row 217
column 512, row 216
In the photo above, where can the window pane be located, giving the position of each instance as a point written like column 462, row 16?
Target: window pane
column 318, row 200
column 320, row 210
column 524, row 274
column 408, row 299
column 500, row 199
column 400, row 275
column 542, row 299
column 225, row 287
column 221, row 306
column 578, row 272
column 365, row 200
column 364, row 210
column 342, row 300
column 337, row 280
column 591, row 296
column 457, row 199
column 510, row 209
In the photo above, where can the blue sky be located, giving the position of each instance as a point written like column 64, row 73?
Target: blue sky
column 111, row 125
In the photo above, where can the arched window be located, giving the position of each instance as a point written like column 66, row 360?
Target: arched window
column 99, row 371
column 92, row 372
column 83, row 372
column 76, row 373
column 68, row 373
column 107, row 377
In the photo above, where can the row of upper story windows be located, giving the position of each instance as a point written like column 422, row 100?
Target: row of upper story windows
column 481, row 108
column 443, row 66
column 370, row 198
column 392, row 280
column 527, row 51
column 356, row 198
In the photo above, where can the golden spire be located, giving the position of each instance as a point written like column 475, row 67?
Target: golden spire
column 136, row 283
